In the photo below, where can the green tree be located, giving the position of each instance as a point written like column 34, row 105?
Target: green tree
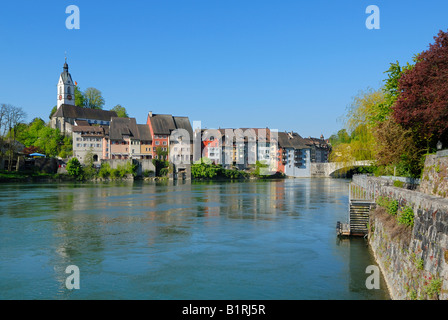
column 93, row 98
column 382, row 110
column 89, row 170
column 80, row 99
column 74, row 168
column 361, row 143
column 105, row 170
column 341, row 137
column 121, row 111
column 52, row 143
column 55, row 108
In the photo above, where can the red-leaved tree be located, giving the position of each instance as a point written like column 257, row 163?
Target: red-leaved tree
column 31, row 149
column 422, row 104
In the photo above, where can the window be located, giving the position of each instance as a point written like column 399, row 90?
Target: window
column 164, row 143
column 157, row 143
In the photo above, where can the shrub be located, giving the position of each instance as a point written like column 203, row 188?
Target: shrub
column 433, row 288
column 398, row 183
column 392, row 207
column 164, row 172
column 74, row 167
column 406, row 217
column 104, row 170
column 261, row 169
column 148, row 173
column 203, row 170
column 115, row 173
column 383, row 201
column 233, row 174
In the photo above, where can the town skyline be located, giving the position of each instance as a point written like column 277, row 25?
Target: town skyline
column 288, row 66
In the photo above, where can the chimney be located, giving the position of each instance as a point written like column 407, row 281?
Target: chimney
column 150, row 114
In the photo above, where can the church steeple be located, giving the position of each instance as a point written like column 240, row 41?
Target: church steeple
column 66, row 87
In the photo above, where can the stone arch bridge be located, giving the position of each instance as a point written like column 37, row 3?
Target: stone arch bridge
column 328, row 169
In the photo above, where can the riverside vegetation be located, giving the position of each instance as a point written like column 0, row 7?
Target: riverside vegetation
column 399, row 124
column 204, row 169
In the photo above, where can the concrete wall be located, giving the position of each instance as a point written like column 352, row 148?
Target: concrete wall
column 411, row 267
column 142, row 164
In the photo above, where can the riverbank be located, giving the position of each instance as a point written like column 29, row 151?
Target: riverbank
column 32, row 176
column 13, row 177
column 408, row 234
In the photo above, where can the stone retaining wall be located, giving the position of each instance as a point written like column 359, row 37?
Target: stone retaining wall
column 435, row 176
column 412, row 269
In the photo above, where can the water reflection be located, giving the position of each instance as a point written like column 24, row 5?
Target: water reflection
column 221, row 240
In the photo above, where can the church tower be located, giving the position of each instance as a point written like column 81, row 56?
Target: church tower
column 66, row 88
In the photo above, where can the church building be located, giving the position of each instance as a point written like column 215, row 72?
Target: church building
column 68, row 114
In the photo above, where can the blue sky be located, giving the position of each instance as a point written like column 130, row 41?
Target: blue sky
column 285, row 64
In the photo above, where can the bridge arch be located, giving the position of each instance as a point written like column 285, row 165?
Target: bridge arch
column 332, row 169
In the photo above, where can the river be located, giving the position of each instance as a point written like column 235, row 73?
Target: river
column 201, row 240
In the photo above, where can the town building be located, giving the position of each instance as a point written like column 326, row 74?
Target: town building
column 170, row 134
column 320, row 149
column 129, row 140
column 239, row 148
column 88, row 140
column 294, row 156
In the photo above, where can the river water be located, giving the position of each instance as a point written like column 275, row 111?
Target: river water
column 258, row 240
